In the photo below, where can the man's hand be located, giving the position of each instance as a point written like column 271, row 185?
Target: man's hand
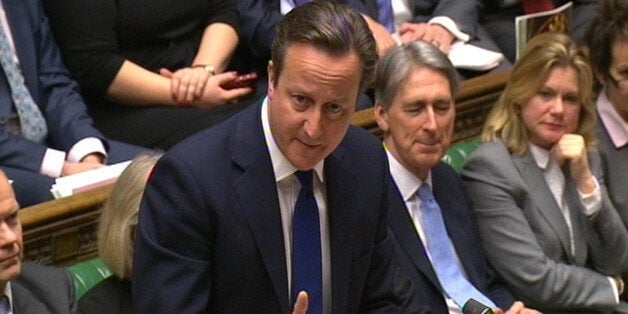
column 301, row 306
column 89, row 162
column 432, row 33
column 517, row 308
column 571, row 149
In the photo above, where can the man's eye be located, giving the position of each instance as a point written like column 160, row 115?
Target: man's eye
column 334, row 111
column 300, row 102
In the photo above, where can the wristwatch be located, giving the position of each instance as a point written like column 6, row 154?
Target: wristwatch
column 620, row 284
column 207, row 67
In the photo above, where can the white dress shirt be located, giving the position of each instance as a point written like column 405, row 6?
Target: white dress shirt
column 288, row 188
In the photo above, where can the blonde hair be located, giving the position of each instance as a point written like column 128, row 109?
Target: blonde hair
column 116, row 230
column 542, row 54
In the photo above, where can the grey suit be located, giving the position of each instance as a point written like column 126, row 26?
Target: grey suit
column 42, row 289
column 527, row 240
column 615, row 168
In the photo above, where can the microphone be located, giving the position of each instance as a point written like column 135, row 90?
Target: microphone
column 474, row 307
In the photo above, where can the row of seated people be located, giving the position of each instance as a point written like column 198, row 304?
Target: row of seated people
column 532, row 222
column 152, row 76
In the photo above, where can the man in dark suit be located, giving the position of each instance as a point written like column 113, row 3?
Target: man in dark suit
column 71, row 144
column 218, row 228
column 27, row 287
column 414, row 90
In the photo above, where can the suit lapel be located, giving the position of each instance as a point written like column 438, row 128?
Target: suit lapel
column 544, row 200
column 257, row 197
column 23, row 300
column 341, row 204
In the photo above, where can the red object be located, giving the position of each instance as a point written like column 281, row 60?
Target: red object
column 535, row 6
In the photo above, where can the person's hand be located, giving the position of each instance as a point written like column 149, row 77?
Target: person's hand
column 517, row 308
column 385, row 41
column 432, row 33
column 214, row 94
column 572, row 149
column 301, row 306
column 77, row 167
column 187, row 84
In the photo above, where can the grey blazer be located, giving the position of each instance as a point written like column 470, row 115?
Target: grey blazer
column 43, row 289
column 527, row 240
column 615, row 168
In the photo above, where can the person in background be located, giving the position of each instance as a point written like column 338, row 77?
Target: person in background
column 152, row 72
column 285, row 200
column 446, row 24
column 498, row 18
column 27, row 287
column 415, row 88
column 45, row 130
column 545, row 219
column 608, row 50
column 116, row 237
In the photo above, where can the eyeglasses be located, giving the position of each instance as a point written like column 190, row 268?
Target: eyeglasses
column 621, row 83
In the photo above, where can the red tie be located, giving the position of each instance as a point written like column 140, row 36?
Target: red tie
column 535, row 6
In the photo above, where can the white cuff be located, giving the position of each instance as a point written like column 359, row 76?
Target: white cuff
column 451, row 26
column 52, row 165
column 84, row 147
column 592, row 202
column 615, row 289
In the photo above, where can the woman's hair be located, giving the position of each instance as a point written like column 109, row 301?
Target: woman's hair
column 610, row 25
column 116, row 230
column 398, row 64
column 543, row 53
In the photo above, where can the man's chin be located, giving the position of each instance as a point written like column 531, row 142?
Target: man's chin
column 10, row 269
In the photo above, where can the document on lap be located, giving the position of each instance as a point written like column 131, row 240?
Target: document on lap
column 84, row 181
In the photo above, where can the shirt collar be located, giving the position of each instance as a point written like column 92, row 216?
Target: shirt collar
column 616, row 127
column 9, row 294
column 281, row 165
column 406, row 181
column 541, row 156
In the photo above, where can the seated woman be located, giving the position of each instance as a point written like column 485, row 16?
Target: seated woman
column 608, row 45
column 151, row 71
column 116, row 233
column 545, row 219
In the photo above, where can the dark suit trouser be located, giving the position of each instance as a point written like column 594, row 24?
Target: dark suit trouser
column 32, row 188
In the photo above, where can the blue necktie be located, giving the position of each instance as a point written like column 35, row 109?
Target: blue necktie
column 5, row 308
column 296, row 4
column 33, row 124
column 385, row 12
column 457, row 287
column 307, row 266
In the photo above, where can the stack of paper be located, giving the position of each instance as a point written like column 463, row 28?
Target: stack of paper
column 79, row 182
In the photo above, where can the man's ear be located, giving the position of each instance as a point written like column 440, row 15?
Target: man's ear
column 271, row 79
column 381, row 116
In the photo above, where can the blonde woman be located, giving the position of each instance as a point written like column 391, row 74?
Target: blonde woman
column 116, row 235
column 545, row 219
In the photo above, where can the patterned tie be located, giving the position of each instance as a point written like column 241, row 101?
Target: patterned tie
column 385, row 11
column 307, row 266
column 535, row 6
column 456, row 286
column 32, row 122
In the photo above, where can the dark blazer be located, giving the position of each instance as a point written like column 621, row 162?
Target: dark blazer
column 110, row 296
column 50, row 85
column 210, row 235
column 42, row 289
column 462, row 228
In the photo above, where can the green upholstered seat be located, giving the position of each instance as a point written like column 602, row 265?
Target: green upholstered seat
column 88, row 274
column 458, row 154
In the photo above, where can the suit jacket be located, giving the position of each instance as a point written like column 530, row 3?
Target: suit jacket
column 615, row 168
column 461, row 225
column 259, row 19
column 210, row 235
column 42, row 289
column 110, row 296
column 526, row 237
column 49, row 84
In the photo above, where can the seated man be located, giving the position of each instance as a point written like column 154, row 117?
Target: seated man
column 27, row 287
column 45, row 131
column 438, row 245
